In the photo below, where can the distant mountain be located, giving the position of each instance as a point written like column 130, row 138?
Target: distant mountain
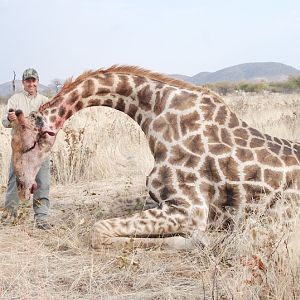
column 268, row 71
column 7, row 88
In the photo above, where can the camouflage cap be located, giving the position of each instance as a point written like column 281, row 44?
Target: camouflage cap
column 30, row 73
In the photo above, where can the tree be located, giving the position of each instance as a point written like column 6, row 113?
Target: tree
column 56, row 84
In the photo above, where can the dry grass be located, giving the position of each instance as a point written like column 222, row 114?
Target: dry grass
column 259, row 260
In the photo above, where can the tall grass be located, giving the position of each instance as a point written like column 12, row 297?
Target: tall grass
column 260, row 259
column 96, row 143
column 103, row 143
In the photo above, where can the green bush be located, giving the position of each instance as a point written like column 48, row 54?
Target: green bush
column 291, row 85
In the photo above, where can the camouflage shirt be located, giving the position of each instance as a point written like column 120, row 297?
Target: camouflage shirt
column 25, row 102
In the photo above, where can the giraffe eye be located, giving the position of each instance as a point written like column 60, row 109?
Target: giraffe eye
column 29, row 149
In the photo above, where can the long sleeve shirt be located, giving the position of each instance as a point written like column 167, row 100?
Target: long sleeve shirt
column 25, row 102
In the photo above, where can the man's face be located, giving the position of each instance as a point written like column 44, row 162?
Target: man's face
column 30, row 85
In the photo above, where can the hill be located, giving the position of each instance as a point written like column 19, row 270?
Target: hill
column 253, row 72
column 267, row 71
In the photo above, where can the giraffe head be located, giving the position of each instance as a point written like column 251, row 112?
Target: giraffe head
column 31, row 142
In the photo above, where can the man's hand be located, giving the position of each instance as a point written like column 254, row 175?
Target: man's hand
column 11, row 116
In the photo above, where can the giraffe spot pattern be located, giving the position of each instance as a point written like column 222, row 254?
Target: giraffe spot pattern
column 94, row 102
column 208, row 190
column 69, row 114
column 219, row 149
column 79, row 105
column 178, row 202
column 229, row 195
column 168, row 125
column 252, row 173
column 229, row 168
column 257, row 143
column 132, row 111
column 107, row 102
column 106, row 80
column 138, row 80
column 241, row 133
column 144, row 98
column 123, row 87
column 189, row 122
column 268, row 137
column 120, row 104
column 287, row 143
column 221, row 115
column 287, row 151
column 145, row 125
column 234, row 121
column 88, row 88
column 58, row 99
column 277, row 140
column 183, row 101
column 160, row 100
column 102, row 91
column 244, row 154
column 289, row 160
column 256, row 133
column 273, row 178
column 152, row 142
column 207, row 108
column 190, row 192
column 61, row 111
column 209, row 170
column 179, row 156
column 164, row 182
column 72, row 97
column 160, row 152
column 185, row 177
column 275, row 148
column 265, row 157
column 194, row 144
column 212, row 134
column 226, row 137
column 52, row 119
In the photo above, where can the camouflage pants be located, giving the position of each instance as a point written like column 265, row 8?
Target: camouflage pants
column 41, row 202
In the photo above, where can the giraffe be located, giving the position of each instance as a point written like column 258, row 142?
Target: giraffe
column 209, row 164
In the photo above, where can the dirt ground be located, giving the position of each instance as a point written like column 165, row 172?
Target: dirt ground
column 60, row 264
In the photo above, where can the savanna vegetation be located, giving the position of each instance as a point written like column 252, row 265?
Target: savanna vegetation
column 99, row 164
column 291, row 85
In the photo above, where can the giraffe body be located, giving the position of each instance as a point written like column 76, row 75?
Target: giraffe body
column 208, row 163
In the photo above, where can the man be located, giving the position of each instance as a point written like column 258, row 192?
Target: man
column 29, row 100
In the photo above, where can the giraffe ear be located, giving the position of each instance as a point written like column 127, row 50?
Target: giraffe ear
column 21, row 120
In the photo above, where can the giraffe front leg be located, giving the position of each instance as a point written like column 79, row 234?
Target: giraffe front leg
column 169, row 226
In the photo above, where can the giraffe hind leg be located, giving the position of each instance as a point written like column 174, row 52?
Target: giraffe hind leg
column 166, row 226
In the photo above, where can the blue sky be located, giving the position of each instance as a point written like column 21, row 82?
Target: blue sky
column 63, row 38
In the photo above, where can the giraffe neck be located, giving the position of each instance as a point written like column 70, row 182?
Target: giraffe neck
column 133, row 95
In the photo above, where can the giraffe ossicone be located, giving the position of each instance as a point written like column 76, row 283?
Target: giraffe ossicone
column 208, row 163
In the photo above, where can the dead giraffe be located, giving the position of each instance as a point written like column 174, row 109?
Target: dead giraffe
column 206, row 159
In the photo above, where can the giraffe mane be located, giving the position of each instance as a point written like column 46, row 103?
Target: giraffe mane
column 123, row 69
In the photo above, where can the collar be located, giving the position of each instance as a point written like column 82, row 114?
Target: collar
column 28, row 95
